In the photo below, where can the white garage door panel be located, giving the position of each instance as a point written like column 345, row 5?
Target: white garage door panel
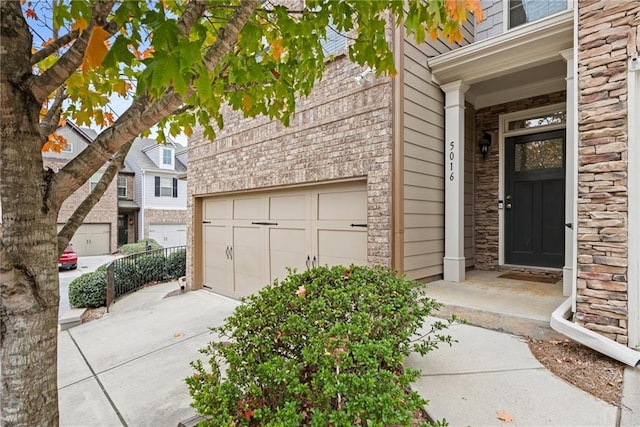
column 248, row 208
column 91, row 239
column 342, row 247
column 216, row 265
column 344, row 205
column 217, row 209
column 248, row 256
column 169, row 235
column 288, row 247
column 289, row 207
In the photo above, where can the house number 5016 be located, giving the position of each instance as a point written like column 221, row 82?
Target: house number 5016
column 451, row 157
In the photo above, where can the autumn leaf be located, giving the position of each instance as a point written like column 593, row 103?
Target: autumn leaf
column 96, row 49
column 301, row 292
column 55, row 143
column 276, row 48
column 31, row 13
column 504, row 416
column 80, row 25
column 246, row 103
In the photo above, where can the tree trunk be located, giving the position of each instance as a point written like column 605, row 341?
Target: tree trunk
column 28, row 250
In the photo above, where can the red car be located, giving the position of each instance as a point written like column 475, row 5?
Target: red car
column 68, row 259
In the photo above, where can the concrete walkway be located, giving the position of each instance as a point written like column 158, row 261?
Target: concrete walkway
column 128, row 369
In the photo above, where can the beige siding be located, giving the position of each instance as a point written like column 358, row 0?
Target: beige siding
column 423, row 164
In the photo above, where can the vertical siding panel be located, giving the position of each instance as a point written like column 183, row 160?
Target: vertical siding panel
column 424, row 164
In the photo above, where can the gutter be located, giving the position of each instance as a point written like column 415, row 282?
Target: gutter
column 591, row 339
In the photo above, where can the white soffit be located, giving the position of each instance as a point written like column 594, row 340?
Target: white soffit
column 526, row 46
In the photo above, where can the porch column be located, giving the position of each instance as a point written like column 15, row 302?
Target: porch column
column 570, row 234
column 454, row 262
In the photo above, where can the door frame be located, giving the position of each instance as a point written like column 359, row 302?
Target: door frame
column 503, row 134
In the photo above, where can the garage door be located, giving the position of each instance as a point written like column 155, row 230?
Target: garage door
column 91, row 239
column 251, row 240
column 169, row 235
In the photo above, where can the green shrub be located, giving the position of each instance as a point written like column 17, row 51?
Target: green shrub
column 324, row 347
column 89, row 290
column 125, row 276
column 151, row 268
column 177, row 264
column 140, row 246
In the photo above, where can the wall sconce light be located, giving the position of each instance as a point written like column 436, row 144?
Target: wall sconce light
column 484, row 143
column 367, row 76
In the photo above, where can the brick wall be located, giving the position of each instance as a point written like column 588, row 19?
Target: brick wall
column 487, row 176
column 104, row 212
column 341, row 131
column 608, row 31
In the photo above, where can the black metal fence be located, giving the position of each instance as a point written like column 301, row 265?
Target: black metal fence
column 132, row 272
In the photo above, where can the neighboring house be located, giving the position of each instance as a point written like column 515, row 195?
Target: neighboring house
column 159, row 195
column 518, row 150
column 128, row 209
column 97, row 234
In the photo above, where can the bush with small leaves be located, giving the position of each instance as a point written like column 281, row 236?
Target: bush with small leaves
column 125, row 276
column 323, row 347
column 151, row 268
column 140, row 246
column 177, row 263
column 89, row 290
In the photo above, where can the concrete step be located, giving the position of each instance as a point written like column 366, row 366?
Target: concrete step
column 518, row 307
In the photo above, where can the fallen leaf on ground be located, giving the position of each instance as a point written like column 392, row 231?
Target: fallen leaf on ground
column 177, row 335
column 504, row 416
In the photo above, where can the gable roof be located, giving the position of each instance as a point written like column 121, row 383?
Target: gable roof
column 138, row 155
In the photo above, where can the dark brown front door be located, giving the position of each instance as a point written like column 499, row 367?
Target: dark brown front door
column 534, row 199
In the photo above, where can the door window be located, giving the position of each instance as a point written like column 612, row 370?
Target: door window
column 539, row 154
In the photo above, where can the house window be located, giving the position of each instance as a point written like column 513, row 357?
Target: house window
column 93, row 181
column 334, row 42
column 167, row 157
column 523, row 11
column 166, row 187
column 122, row 186
column 537, row 120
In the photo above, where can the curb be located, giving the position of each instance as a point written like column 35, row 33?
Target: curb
column 71, row 318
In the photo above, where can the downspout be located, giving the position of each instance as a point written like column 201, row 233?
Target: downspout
column 591, row 339
column 560, row 317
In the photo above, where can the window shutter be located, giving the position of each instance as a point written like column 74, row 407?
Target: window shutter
column 175, row 187
column 157, row 186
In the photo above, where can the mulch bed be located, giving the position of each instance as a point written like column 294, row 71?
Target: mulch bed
column 595, row 373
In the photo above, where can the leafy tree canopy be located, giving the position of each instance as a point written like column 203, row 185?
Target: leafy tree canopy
column 165, row 48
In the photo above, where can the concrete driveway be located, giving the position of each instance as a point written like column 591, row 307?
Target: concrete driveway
column 128, row 368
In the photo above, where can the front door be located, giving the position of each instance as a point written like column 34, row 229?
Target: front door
column 534, row 199
column 123, row 230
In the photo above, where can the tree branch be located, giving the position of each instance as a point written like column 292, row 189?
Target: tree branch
column 43, row 85
column 78, row 216
column 51, row 120
column 141, row 116
column 54, row 46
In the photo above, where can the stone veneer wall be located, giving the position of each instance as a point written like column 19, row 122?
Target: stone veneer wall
column 608, row 31
column 341, row 131
column 487, row 176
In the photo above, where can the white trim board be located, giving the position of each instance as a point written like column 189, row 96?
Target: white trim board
column 633, row 180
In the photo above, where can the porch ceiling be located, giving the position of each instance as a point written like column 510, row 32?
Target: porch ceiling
column 522, row 62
